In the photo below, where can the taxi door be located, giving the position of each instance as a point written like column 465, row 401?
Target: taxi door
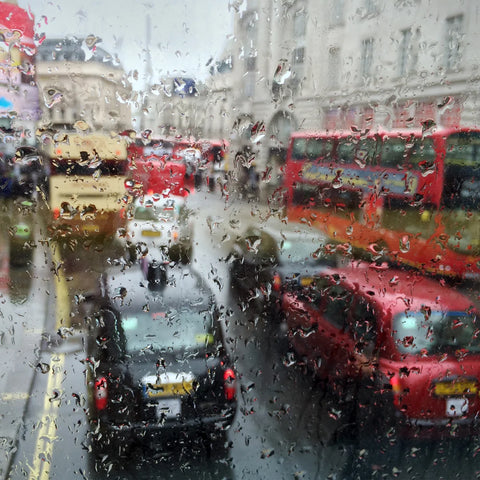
column 352, row 353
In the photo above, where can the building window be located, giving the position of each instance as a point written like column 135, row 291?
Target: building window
column 453, row 41
column 298, row 61
column 333, row 67
column 250, row 64
column 250, row 21
column 300, row 23
column 249, row 85
column 367, row 58
column 371, row 7
column 337, row 16
column 298, row 57
column 405, row 54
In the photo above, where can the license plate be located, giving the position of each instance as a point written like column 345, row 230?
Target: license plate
column 306, row 281
column 456, row 407
column 461, row 387
column 169, row 389
column 168, row 385
column 150, row 233
column 169, row 408
column 90, row 227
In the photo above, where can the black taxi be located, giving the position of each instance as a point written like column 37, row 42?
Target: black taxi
column 160, row 371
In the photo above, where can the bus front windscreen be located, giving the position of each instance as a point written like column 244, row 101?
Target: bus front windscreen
column 462, row 171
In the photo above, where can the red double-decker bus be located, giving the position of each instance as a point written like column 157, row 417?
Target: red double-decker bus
column 412, row 196
column 153, row 167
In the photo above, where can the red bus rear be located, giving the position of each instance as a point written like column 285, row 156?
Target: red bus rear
column 154, row 168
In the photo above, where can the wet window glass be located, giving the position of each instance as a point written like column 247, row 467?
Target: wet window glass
column 166, row 329
column 240, row 239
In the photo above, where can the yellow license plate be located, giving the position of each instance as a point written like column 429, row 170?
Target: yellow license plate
column 306, row 281
column 461, row 387
column 169, row 389
column 150, row 233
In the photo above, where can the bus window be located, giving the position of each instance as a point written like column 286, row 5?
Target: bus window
column 366, row 153
column 393, row 152
column 328, row 144
column 462, row 171
column 298, row 148
column 422, row 154
column 346, row 150
column 307, row 195
column 315, row 148
column 463, row 149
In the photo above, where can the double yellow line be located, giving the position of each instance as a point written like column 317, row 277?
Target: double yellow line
column 47, row 432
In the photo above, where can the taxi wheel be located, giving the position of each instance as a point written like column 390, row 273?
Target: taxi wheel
column 216, row 444
column 107, row 459
column 374, row 418
column 103, row 446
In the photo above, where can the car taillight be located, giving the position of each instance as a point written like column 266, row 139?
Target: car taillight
column 396, row 389
column 56, row 213
column 100, row 393
column 276, row 282
column 229, row 384
column 122, row 213
column 175, row 235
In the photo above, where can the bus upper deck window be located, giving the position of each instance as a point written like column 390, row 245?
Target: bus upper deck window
column 393, row 152
column 314, row 148
column 346, row 150
column 422, row 154
column 298, row 149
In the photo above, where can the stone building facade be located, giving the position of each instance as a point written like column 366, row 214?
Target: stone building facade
column 79, row 81
column 334, row 64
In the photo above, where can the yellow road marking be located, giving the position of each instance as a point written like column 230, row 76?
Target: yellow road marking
column 47, row 433
column 9, row 396
column 63, row 304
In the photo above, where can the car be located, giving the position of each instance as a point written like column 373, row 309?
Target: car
column 159, row 224
column 21, row 232
column 402, row 350
column 262, row 259
column 29, row 173
column 160, row 370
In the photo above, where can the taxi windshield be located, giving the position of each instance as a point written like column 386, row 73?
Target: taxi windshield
column 438, row 332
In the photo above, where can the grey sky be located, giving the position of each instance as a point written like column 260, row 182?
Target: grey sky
column 184, row 33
